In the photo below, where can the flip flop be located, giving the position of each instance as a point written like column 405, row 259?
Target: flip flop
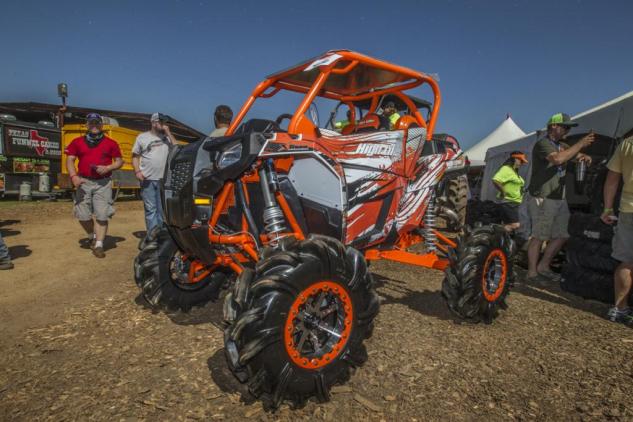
column 550, row 275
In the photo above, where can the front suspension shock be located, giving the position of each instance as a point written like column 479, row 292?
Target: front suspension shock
column 273, row 216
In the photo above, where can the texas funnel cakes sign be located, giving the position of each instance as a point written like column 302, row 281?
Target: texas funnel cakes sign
column 32, row 142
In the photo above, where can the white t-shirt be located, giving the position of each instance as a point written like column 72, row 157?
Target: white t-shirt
column 219, row 131
column 153, row 151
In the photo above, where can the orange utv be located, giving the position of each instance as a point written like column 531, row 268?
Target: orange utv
column 288, row 215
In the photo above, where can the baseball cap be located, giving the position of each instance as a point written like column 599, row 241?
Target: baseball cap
column 158, row 117
column 520, row 156
column 562, row 119
column 94, row 117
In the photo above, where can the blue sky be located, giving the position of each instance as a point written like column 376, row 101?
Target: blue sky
column 527, row 58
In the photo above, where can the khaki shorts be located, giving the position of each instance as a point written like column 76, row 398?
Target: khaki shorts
column 623, row 239
column 549, row 218
column 94, row 198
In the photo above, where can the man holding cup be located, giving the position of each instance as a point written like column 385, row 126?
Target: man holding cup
column 547, row 204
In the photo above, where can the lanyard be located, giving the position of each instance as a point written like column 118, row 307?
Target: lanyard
column 559, row 169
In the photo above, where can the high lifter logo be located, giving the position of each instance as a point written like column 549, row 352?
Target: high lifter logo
column 375, row 149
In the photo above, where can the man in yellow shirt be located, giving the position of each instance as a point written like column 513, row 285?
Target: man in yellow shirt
column 510, row 186
column 621, row 168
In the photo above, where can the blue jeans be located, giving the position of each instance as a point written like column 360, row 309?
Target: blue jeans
column 4, row 251
column 150, row 192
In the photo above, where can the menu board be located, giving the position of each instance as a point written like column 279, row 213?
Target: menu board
column 31, row 165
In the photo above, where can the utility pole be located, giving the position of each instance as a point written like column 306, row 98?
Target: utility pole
column 62, row 92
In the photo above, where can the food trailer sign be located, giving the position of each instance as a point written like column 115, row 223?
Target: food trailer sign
column 28, row 142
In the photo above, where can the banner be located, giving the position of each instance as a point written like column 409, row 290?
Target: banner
column 24, row 141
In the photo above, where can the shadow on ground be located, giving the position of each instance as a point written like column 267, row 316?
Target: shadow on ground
column 426, row 302
column 109, row 243
column 19, row 251
column 553, row 293
column 9, row 232
column 224, row 378
column 211, row 313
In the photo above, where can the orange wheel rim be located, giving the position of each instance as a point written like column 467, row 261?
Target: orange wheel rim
column 318, row 325
column 494, row 275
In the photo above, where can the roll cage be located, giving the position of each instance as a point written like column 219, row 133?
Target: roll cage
column 348, row 77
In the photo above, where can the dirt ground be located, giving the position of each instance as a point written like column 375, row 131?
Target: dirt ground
column 77, row 343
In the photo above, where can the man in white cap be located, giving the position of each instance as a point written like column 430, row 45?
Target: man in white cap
column 149, row 156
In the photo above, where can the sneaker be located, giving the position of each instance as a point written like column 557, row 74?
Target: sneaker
column 6, row 265
column 98, row 252
column 624, row 316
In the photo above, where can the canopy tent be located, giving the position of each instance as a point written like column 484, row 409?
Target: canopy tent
column 507, row 131
column 612, row 119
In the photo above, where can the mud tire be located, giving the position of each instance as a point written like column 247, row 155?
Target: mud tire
column 257, row 310
column 463, row 285
column 153, row 276
column 455, row 198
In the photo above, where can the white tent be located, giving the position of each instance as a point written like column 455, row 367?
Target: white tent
column 507, row 131
column 613, row 119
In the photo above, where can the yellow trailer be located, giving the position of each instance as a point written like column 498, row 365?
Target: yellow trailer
column 122, row 179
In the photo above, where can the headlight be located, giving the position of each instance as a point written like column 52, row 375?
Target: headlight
column 230, row 156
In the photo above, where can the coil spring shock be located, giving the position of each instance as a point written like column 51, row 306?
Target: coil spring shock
column 273, row 222
column 429, row 224
column 273, row 216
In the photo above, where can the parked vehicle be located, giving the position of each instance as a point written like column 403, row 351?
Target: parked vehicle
column 29, row 154
column 297, row 212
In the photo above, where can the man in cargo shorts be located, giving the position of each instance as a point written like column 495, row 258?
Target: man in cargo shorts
column 98, row 156
column 547, row 204
column 621, row 168
column 5, row 258
column 149, row 156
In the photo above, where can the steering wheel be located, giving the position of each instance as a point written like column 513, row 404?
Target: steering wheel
column 281, row 118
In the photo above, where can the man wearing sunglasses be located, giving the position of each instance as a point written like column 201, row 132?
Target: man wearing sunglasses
column 98, row 157
column 547, row 204
column 149, row 156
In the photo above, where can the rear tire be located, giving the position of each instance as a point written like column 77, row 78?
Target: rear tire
column 296, row 324
column 155, row 275
column 588, row 284
column 455, row 198
column 480, row 274
column 590, row 254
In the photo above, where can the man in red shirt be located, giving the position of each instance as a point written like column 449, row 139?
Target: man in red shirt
column 98, row 156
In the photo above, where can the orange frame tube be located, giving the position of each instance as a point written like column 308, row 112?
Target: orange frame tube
column 278, row 82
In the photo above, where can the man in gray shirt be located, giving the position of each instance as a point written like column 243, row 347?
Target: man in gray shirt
column 149, row 156
column 222, row 119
